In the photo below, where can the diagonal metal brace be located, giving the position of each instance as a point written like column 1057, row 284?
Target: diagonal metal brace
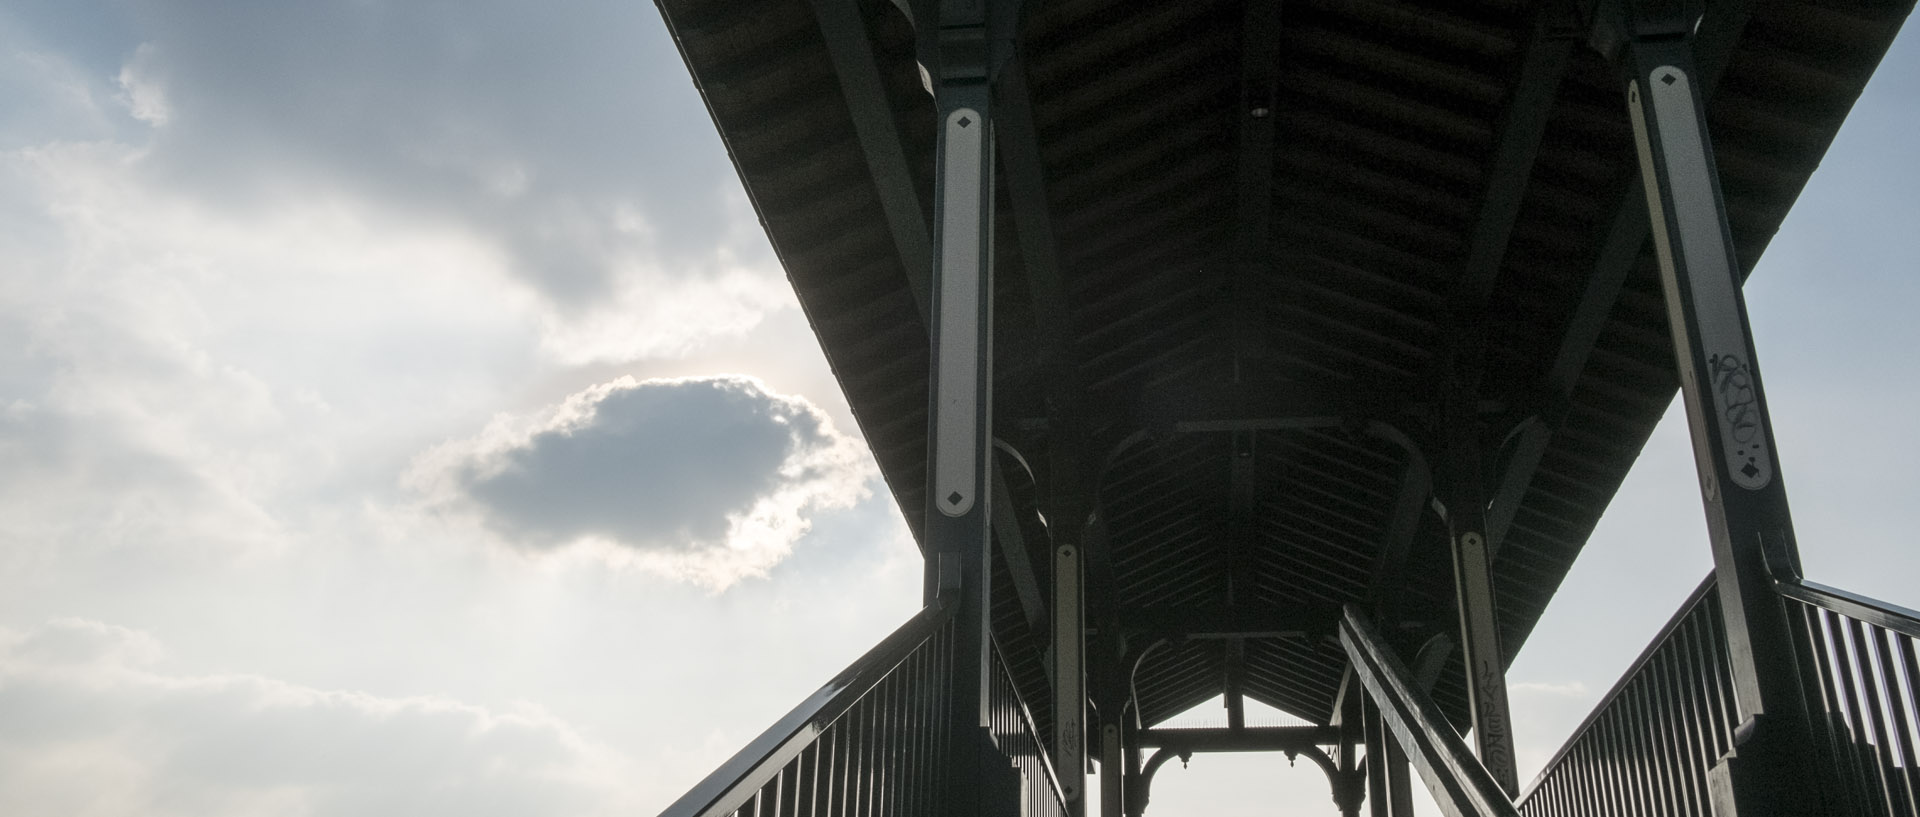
column 1460, row 785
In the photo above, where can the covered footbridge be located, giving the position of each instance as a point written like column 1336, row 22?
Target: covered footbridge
column 1290, row 351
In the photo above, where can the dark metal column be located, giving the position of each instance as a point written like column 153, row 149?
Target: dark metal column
column 1485, row 663
column 1134, row 780
column 1069, row 674
column 1389, row 785
column 1348, row 780
column 1113, row 797
column 1240, row 554
column 955, row 51
column 1252, row 263
column 1746, row 504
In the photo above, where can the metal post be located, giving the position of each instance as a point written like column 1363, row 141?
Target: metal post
column 1111, row 691
column 1376, row 745
column 960, row 410
column 1240, row 572
column 1466, row 506
column 1069, row 678
column 1133, row 781
column 1389, row 787
column 1113, row 799
column 1069, row 515
column 1349, row 782
column 1740, row 486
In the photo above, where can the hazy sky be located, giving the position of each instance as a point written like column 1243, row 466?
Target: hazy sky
column 402, row 413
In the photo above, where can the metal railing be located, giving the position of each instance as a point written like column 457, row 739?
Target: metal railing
column 869, row 742
column 1648, row 745
column 1018, row 737
column 1857, row 659
column 1460, row 785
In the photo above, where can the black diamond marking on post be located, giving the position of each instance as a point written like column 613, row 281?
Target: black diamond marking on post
column 1669, row 78
column 954, row 498
column 965, row 121
column 1750, row 470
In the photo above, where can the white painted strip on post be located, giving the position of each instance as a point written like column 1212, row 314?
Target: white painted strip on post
column 1712, row 280
column 957, row 392
column 1068, row 651
column 1670, row 288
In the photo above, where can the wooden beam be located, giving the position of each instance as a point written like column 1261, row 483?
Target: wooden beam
column 850, row 47
column 1018, row 556
column 1253, row 186
column 1621, row 245
column 1510, row 166
column 1242, row 620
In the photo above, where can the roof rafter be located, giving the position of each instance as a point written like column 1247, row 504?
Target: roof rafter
column 1253, row 185
column 1543, row 64
column 850, row 47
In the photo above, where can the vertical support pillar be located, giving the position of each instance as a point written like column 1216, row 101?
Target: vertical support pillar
column 1069, row 676
column 1466, row 505
column 1069, row 518
column 1376, row 745
column 954, row 39
column 1239, row 567
column 1389, row 787
column 1133, row 783
column 1113, row 798
column 1733, row 445
column 1111, row 689
column 1349, row 781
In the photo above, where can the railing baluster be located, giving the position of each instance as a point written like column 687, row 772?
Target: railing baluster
column 1625, row 753
column 1866, row 775
column 1873, row 719
column 895, row 780
column 926, row 732
column 1898, row 741
column 1830, row 717
column 1903, row 688
column 1697, row 740
column 1685, row 796
column 1725, row 711
column 1640, row 728
column 805, row 778
column 1588, row 780
column 861, row 802
column 1672, row 744
column 1618, row 785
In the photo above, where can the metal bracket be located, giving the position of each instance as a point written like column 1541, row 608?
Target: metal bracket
column 1614, row 23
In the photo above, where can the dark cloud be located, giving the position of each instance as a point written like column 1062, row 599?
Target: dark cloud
column 657, row 463
column 704, row 473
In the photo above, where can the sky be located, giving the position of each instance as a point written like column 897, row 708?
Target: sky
column 401, row 412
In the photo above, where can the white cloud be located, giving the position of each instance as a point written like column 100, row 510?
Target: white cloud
column 172, row 372
column 90, row 726
column 545, row 134
column 708, row 480
column 143, row 94
column 1565, row 689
